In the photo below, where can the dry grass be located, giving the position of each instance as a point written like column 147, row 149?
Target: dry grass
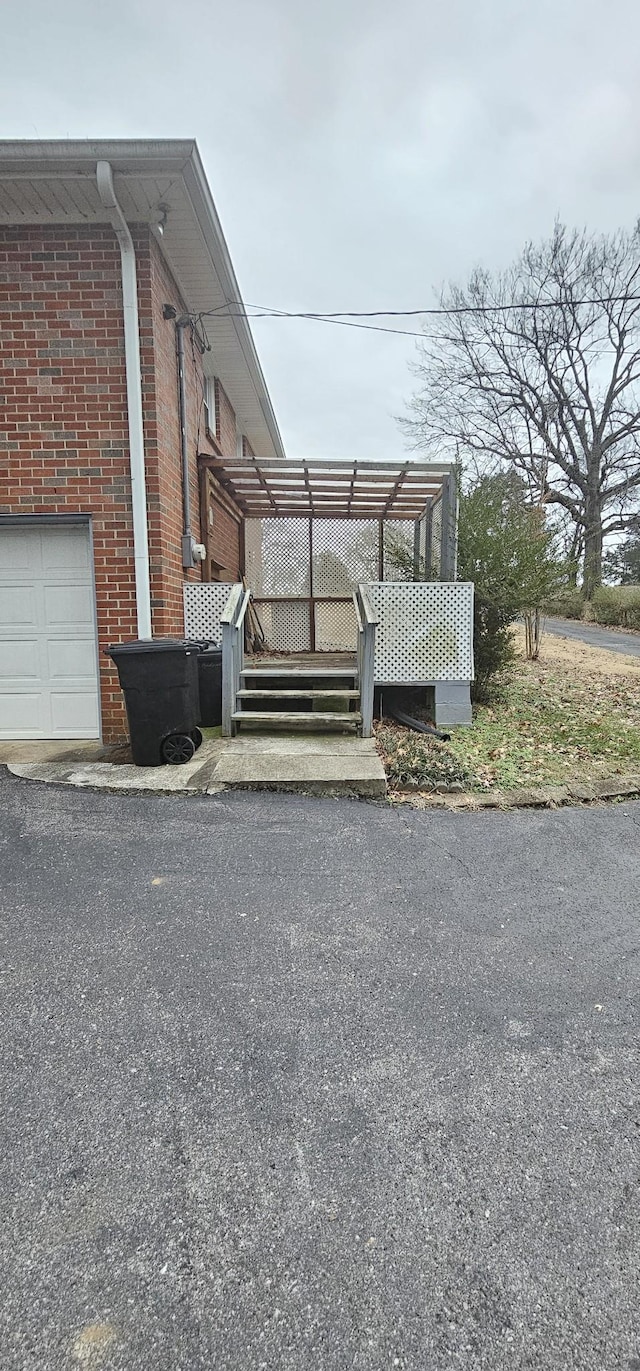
column 572, row 716
column 590, row 661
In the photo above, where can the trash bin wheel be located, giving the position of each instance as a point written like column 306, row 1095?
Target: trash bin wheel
column 196, row 734
column 178, row 748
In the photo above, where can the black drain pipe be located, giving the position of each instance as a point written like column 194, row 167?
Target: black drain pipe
column 416, row 724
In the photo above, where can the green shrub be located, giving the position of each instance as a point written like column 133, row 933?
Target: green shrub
column 505, row 549
column 494, row 651
column 617, row 605
column 567, row 604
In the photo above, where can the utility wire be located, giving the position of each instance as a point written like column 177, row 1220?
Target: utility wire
column 234, row 313
column 235, row 309
column 453, row 309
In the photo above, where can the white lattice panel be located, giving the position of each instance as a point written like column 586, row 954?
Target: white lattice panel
column 336, row 628
column 203, row 608
column 425, row 631
column 398, row 549
column 436, row 538
column 286, row 624
column 345, row 551
column 277, row 556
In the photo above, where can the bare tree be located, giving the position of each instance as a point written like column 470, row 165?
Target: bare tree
column 538, row 367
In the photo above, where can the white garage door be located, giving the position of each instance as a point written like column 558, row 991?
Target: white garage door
column 48, row 668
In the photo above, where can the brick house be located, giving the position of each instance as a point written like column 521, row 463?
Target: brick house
column 123, row 371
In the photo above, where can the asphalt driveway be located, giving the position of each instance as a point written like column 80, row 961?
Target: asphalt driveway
column 310, row 1085
column 610, row 638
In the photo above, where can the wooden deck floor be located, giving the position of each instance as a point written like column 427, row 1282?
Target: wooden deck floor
column 294, row 661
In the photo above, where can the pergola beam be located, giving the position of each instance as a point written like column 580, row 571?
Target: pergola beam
column 328, row 489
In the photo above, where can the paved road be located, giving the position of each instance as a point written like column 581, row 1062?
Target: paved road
column 307, row 1085
column 611, row 638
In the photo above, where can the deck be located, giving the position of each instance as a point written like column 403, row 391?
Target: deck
column 303, row 661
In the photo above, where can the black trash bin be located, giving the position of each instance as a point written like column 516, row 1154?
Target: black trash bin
column 210, row 678
column 159, row 678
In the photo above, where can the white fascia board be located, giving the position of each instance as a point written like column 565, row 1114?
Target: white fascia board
column 206, row 214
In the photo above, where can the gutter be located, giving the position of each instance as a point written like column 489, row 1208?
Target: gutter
column 104, row 178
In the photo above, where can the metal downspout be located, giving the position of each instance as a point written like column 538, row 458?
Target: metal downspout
column 187, row 540
column 104, row 177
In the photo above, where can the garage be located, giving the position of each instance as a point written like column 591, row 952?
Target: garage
column 48, row 645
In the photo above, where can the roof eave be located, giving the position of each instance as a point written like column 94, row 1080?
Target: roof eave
column 55, row 157
column 128, row 157
column 206, row 213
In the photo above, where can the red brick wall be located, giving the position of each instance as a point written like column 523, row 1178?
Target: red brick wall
column 163, row 453
column 225, row 423
column 63, row 415
column 224, row 540
column 163, row 444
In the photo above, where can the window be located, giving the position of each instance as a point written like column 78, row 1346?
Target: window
column 210, row 405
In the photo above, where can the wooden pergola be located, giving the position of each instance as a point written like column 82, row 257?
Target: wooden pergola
column 322, row 488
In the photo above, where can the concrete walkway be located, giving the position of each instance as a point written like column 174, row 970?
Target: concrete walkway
column 334, row 764
column 613, row 640
column 194, row 777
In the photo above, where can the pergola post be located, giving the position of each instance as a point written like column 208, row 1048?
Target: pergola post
column 416, row 551
column 449, row 547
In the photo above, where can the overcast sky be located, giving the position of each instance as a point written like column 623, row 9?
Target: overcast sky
column 360, row 153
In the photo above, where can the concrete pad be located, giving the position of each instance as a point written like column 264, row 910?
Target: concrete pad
column 23, row 750
column 194, row 776
column 320, row 764
column 317, row 767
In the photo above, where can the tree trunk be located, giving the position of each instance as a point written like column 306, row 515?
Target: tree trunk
column 532, row 634
column 592, row 576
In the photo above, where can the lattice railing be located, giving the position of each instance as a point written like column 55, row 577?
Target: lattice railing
column 204, row 603
column 425, row 631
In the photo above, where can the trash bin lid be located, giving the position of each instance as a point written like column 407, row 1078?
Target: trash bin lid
column 152, row 645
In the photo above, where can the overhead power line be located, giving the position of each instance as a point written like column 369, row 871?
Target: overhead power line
column 236, row 309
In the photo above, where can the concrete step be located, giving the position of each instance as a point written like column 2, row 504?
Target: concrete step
column 301, row 719
column 329, row 764
column 310, row 694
